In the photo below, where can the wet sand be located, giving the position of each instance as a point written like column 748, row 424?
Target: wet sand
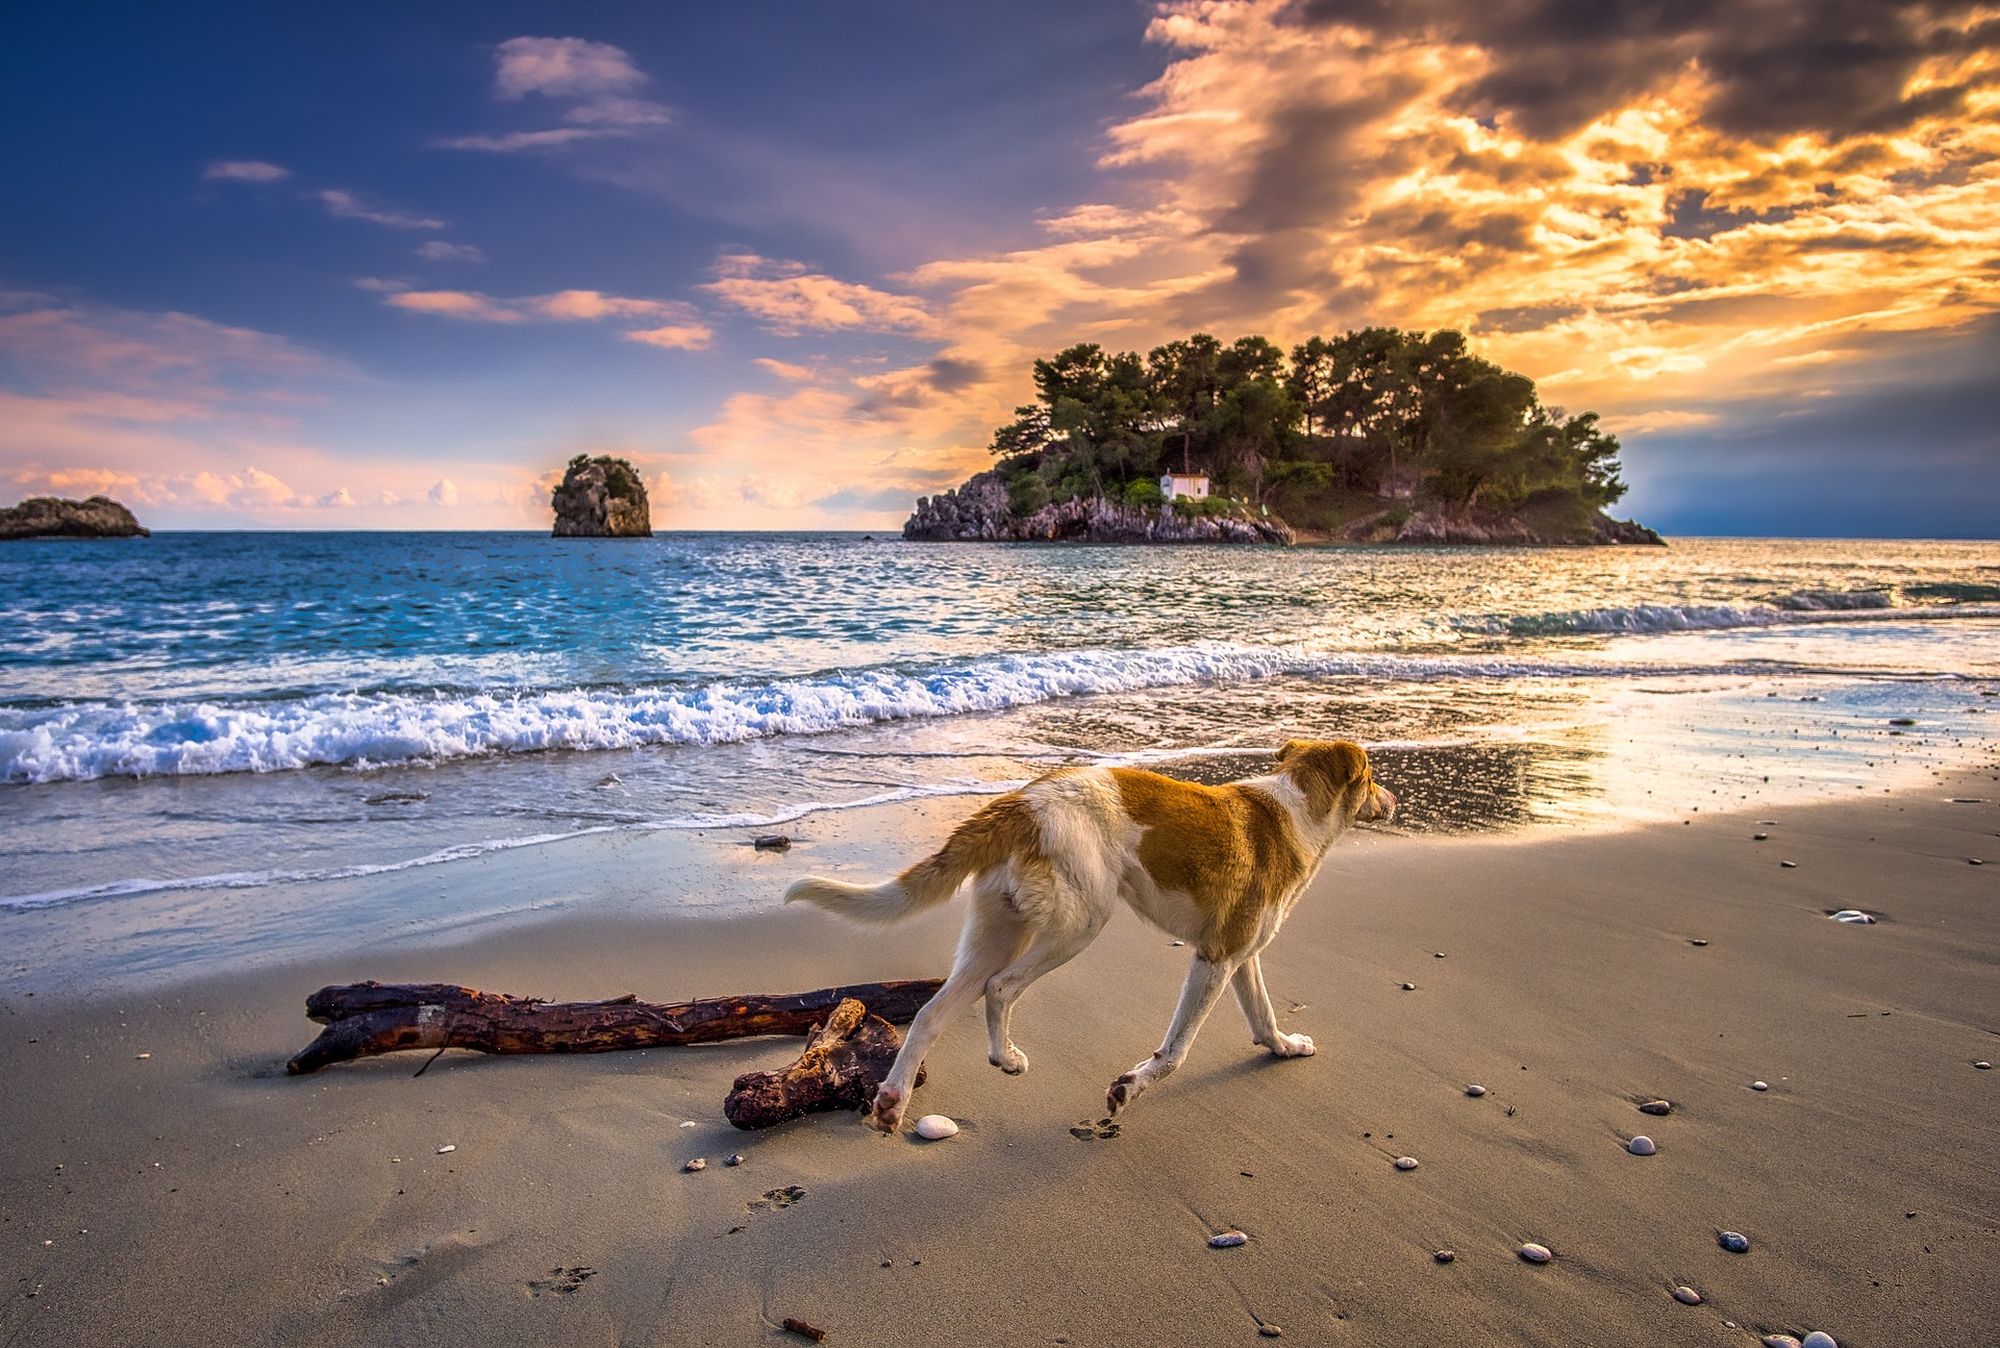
column 199, row 1196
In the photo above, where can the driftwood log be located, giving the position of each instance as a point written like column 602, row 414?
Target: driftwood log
column 366, row 1019
column 845, row 1060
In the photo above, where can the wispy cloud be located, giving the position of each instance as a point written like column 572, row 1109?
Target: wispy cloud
column 789, row 298
column 594, row 78
column 438, row 250
column 244, row 171
column 672, row 324
column 348, row 206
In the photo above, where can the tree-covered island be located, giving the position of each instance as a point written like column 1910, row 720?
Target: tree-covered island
column 1377, row 435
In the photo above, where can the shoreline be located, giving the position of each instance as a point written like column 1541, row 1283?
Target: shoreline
column 198, row 1195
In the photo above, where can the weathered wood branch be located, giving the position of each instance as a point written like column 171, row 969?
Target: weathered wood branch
column 366, row 1019
column 844, row 1061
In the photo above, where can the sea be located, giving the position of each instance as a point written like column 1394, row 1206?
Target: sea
column 257, row 712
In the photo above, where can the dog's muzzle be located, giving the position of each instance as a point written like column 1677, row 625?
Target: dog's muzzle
column 1381, row 806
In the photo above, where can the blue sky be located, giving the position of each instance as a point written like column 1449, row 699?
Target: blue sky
column 390, row 265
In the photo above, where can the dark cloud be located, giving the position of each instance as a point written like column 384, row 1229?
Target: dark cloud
column 1525, row 317
column 1689, row 216
column 1837, row 67
column 950, row 376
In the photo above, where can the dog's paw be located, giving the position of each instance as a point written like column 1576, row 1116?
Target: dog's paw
column 1293, row 1046
column 1123, row 1091
column 1013, row 1062
column 887, row 1114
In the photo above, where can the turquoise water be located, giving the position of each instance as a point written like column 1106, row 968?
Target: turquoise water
column 236, row 709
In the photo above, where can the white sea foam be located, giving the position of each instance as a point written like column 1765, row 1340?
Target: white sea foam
column 86, row 740
column 1803, row 606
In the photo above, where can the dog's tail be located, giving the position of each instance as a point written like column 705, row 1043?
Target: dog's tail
column 1003, row 830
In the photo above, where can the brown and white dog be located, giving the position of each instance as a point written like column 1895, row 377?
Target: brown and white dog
column 1217, row 866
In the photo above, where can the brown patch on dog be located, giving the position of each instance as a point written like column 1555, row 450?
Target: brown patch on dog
column 1005, row 829
column 1229, row 848
column 1329, row 773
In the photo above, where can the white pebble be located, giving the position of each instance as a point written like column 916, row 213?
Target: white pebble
column 1536, row 1254
column 1760, row 1085
column 142, row 1056
column 1687, row 1296
column 689, row 1123
column 1406, row 1163
column 935, row 1127
column 447, row 1147
column 1819, row 1339
column 1226, row 1239
column 1779, row 1341
column 1734, row 1241
column 1657, row 1107
column 1641, row 1146
column 1854, row 916
column 698, row 1163
column 1475, row 1091
column 1983, row 1065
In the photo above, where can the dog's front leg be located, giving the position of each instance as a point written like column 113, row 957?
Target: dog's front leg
column 1205, row 981
column 1255, row 1000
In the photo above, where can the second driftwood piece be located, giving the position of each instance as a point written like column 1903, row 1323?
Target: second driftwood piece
column 365, row 1019
column 845, row 1060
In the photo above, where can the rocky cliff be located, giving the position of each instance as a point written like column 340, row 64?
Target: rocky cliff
column 601, row 498
column 53, row 517
column 978, row 512
column 1472, row 528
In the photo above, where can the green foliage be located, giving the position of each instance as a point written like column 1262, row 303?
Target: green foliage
column 621, row 479
column 1144, row 494
column 1314, row 430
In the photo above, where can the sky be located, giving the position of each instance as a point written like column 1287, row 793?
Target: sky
column 389, row 266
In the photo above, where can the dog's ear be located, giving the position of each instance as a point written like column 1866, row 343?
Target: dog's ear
column 1293, row 748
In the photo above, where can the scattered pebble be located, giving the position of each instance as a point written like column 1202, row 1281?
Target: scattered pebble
column 1687, row 1296
column 1641, row 1146
column 1227, row 1240
column 1536, row 1254
column 1475, row 1090
column 1734, row 1241
column 689, row 1123
column 1657, row 1107
column 1270, row 1331
column 1788, row 865
column 1444, row 1256
column 1697, row 941
column 1438, row 956
column 1983, row 1065
column 447, row 1148
column 803, row 1329
column 772, row 842
column 936, row 1127
column 1819, row 1338
column 1970, row 861
column 1406, row 1163
column 142, row 1056
column 698, row 1163
column 1175, row 944
column 1759, row 837
column 1409, row 987
column 1854, row 916
column 734, row 1158
column 1902, row 720
column 1760, row 1085
column 1779, row 1341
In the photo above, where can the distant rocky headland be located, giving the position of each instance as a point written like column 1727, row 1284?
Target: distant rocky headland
column 1375, row 436
column 54, row 517
column 601, row 497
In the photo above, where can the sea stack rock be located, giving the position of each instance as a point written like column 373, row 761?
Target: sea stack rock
column 601, row 498
column 53, row 517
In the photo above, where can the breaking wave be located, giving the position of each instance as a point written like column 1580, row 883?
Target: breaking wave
column 1802, row 606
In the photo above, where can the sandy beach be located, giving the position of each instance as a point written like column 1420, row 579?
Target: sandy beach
column 165, row 1183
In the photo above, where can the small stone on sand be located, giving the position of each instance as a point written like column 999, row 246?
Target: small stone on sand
column 1409, row 987
column 1270, row 1331
column 1227, row 1240
column 734, row 1158
column 1983, row 1065
column 1854, row 916
column 1819, row 1338
column 1641, row 1146
column 1760, row 1085
column 1734, row 1241
column 772, row 842
column 1475, row 1090
column 1788, row 865
column 1779, row 1341
column 1687, row 1296
column 142, row 1056
column 1657, row 1107
column 936, row 1127
column 698, row 1163
column 1535, row 1254
column 447, row 1147
column 1697, row 941
column 1406, row 1163
column 1444, row 1256
column 1759, row 837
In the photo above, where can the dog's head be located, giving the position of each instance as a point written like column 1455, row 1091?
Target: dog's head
column 1336, row 779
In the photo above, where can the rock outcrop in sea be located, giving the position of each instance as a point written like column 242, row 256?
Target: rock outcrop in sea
column 1472, row 528
column 601, row 497
column 54, row 517
column 978, row 512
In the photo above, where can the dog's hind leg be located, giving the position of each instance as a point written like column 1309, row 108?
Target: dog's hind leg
column 1256, row 1003
column 994, row 937
column 1205, row 982
column 1051, row 948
